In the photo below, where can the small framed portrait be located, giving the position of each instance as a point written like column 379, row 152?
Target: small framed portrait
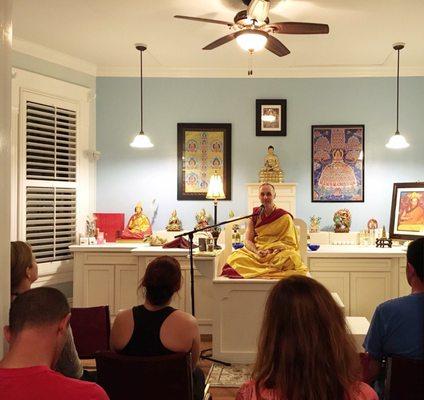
column 203, row 149
column 271, row 117
column 407, row 213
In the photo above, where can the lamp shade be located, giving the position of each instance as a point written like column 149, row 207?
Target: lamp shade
column 258, row 9
column 141, row 141
column 215, row 188
column 252, row 40
column 397, row 141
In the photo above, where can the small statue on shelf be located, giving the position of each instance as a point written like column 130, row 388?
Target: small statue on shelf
column 383, row 241
column 314, row 226
column 342, row 220
column 138, row 226
column 90, row 226
column 174, row 223
column 202, row 219
column 271, row 172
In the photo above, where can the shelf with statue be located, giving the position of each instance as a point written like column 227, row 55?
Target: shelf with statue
column 271, row 172
column 138, row 227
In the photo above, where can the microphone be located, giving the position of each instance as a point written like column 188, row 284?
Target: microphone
column 261, row 210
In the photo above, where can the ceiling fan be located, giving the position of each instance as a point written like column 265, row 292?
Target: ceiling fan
column 253, row 30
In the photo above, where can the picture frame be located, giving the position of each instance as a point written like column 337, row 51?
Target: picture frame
column 407, row 212
column 203, row 149
column 271, row 117
column 337, row 163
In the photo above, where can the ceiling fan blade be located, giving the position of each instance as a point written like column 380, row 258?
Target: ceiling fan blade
column 212, row 21
column 299, row 28
column 220, row 41
column 276, row 47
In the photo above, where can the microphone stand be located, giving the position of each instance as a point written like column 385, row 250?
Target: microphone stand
column 190, row 235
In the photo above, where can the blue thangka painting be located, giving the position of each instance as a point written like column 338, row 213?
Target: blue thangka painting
column 338, row 163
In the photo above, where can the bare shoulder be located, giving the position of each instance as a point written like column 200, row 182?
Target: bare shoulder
column 123, row 316
column 184, row 317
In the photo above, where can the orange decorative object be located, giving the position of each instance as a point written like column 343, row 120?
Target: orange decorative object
column 138, row 226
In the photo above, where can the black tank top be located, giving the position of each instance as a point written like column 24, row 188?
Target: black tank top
column 145, row 339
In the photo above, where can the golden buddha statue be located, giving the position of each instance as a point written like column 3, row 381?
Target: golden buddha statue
column 174, row 223
column 271, row 172
column 138, row 226
column 202, row 219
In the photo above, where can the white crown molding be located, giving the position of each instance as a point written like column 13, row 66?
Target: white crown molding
column 54, row 56
column 330, row 71
column 351, row 71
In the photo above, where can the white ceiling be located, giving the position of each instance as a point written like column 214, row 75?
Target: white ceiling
column 101, row 34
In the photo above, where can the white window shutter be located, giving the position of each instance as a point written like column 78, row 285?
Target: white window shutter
column 51, row 134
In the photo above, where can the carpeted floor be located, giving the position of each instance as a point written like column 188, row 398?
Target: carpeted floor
column 233, row 376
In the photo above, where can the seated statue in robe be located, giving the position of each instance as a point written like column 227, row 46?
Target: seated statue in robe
column 174, row 223
column 271, row 244
column 271, row 172
column 138, row 226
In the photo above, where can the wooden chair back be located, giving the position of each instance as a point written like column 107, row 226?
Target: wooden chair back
column 130, row 377
column 91, row 330
column 404, row 379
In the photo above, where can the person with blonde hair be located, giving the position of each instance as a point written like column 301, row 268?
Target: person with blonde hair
column 305, row 351
column 23, row 273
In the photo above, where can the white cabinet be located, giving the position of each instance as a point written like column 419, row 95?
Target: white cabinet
column 361, row 282
column 112, row 278
column 285, row 196
column 336, row 282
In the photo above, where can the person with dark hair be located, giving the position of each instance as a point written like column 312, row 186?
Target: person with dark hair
column 155, row 328
column 305, row 351
column 271, row 243
column 397, row 327
column 37, row 332
column 23, row 273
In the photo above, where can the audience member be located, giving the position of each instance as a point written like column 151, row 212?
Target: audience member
column 154, row 328
column 37, row 331
column 24, row 272
column 397, row 327
column 305, row 351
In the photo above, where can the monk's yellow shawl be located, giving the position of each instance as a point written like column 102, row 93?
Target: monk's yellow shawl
column 280, row 233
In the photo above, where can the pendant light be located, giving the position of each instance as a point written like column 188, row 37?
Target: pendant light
column 141, row 141
column 397, row 141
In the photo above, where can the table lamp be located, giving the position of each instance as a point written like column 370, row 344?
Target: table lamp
column 215, row 192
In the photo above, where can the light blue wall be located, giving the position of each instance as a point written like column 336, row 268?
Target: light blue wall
column 126, row 175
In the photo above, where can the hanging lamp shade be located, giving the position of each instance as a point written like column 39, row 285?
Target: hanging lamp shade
column 397, row 141
column 141, row 140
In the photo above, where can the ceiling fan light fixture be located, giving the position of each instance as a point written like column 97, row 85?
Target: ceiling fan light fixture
column 258, row 10
column 252, row 40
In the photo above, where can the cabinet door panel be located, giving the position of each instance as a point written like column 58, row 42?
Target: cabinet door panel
column 126, row 282
column 367, row 291
column 337, row 282
column 99, row 286
column 203, row 296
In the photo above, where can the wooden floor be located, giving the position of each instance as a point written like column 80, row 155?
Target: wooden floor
column 216, row 393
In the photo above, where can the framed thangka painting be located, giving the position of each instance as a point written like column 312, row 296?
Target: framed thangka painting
column 338, row 163
column 203, row 149
column 407, row 214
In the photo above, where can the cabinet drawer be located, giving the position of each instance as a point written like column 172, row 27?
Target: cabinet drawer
column 350, row 264
column 109, row 258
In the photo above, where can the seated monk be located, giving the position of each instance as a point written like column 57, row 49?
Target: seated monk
column 271, row 244
column 138, row 226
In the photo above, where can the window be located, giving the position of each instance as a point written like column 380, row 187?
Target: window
column 50, row 136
